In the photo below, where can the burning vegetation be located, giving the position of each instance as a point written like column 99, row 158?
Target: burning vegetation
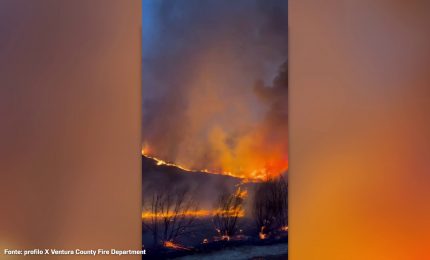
column 271, row 207
column 171, row 244
column 230, row 209
column 172, row 215
column 167, row 219
column 193, row 213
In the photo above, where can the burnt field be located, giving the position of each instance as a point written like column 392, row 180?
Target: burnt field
column 204, row 240
column 188, row 213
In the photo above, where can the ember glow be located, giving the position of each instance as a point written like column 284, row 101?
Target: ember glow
column 284, row 228
column 261, row 235
column 241, row 193
column 171, row 244
column 225, row 238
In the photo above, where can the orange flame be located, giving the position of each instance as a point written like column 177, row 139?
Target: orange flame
column 284, row 228
column 241, row 193
column 193, row 213
column 270, row 169
column 162, row 162
column 225, row 238
column 254, row 156
column 171, row 244
column 261, row 235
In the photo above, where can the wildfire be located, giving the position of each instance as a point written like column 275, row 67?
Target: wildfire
column 225, row 238
column 255, row 166
column 284, row 228
column 261, row 235
column 193, row 213
column 261, row 174
column 162, row 162
column 241, row 193
column 229, row 238
column 171, row 244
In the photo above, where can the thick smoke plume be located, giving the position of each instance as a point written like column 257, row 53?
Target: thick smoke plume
column 215, row 84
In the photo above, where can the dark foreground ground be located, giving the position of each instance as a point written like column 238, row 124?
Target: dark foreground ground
column 254, row 252
column 249, row 248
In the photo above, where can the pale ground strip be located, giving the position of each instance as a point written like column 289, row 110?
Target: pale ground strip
column 241, row 253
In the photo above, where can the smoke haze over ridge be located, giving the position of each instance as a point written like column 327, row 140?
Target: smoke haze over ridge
column 214, row 92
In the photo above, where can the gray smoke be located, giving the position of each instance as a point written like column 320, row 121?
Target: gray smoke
column 201, row 62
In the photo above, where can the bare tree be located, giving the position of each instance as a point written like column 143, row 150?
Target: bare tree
column 229, row 209
column 167, row 214
column 271, row 205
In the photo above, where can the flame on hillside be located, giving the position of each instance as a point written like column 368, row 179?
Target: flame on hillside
column 162, row 162
column 272, row 168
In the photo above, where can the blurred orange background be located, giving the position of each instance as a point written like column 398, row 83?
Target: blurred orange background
column 359, row 124
column 359, row 130
column 70, row 125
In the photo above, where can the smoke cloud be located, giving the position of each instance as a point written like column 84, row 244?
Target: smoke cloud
column 215, row 84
